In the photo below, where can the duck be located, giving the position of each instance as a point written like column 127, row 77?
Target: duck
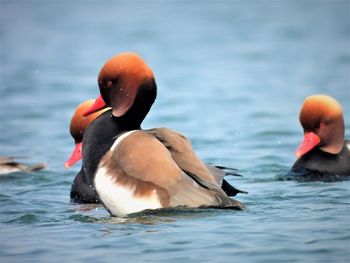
column 133, row 169
column 9, row 165
column 81, row 192
column 324, row 154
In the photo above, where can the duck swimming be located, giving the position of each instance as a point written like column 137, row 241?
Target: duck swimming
column 133, row 169
column 324, row 153
column 10, row 165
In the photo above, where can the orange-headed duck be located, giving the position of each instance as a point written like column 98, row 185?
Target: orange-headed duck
column 133, row 169
column 10, row 165
column 323, row 154
column 81, row 191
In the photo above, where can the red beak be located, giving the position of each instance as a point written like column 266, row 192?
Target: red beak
column 75, row 157
column 311, row 139
column 99, row 104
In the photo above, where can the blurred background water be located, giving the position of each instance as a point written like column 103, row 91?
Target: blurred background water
column 231, row 76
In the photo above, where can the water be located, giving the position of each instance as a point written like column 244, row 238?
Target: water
column 231, row 76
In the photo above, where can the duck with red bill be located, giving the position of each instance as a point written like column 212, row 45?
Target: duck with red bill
column 324, row 154
column 81, row 191
column 143, row 169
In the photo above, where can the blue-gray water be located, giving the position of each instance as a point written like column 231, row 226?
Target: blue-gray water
column 231, row 76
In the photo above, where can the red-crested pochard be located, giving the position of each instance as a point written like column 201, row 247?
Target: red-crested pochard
column 324, row 153
column 133, row 169
column 81, row 191
column 84, row 192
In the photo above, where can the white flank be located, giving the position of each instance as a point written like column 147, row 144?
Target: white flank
column 120, row 200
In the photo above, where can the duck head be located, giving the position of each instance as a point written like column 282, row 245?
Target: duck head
column 78, row 125
column 128, row 86
column 321, row 117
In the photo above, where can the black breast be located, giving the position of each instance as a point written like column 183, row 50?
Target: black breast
column 317, row 165
column 81, row 191
column 98, row 139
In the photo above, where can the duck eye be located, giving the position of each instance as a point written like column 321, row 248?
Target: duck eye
column 317, row 125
